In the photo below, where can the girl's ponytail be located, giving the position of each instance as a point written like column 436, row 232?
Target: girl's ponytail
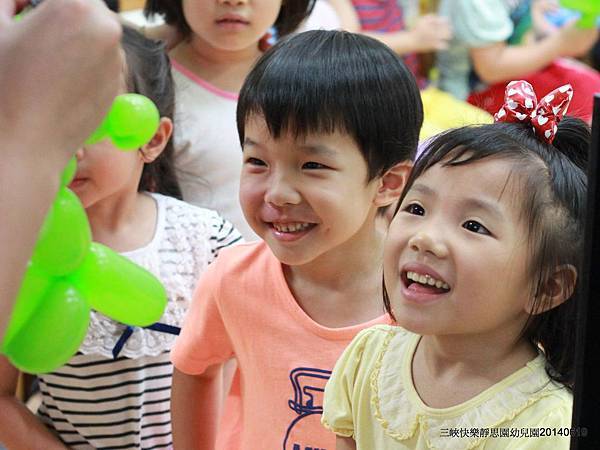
column 560, row 233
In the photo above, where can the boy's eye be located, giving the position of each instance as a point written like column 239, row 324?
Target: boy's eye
column 416, row 209
column 475, row 227
column 255, row 162
column 313, row 165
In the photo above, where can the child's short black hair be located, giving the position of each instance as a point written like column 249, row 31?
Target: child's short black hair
column 149, row 73
column 325, row 81
column 553, row 206
column 291, row 14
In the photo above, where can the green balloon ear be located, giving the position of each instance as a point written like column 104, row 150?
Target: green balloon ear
column 118, row 288
column 31, row 294
column 131, row 122
column 65, row 236
column 52, row 335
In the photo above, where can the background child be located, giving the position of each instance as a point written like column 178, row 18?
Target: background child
column 99, row 400
column 220, row 43
column 328, row 122
column 387, row 20
column 487, row 50
column 480, row 265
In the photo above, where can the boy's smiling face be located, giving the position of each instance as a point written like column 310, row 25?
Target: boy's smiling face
column 306, row 197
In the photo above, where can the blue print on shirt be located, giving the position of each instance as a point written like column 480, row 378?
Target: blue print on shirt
column 309, row 385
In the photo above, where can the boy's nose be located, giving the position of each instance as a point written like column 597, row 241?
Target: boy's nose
column 280, row 193
column 426, row 243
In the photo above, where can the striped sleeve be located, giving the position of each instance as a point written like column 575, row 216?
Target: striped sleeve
column 223, row 234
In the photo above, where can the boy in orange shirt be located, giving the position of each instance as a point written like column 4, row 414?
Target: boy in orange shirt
column 328, row 122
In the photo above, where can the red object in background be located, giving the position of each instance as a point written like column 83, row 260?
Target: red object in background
column 585, row 82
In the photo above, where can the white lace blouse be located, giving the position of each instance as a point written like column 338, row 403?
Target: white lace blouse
column 100, row 401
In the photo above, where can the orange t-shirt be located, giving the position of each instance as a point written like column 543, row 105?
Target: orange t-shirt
column 243, row 307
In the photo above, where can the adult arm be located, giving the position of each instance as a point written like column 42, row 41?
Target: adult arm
column 49, row 106
column 195, row 408
column 19, row 428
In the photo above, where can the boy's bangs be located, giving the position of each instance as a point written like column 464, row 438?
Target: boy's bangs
column 298, row 116
column 299, row 97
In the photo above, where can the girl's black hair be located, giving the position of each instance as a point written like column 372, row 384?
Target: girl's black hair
column 149, row 74
column 291, row 14
column 553, row 194
column 325, row 81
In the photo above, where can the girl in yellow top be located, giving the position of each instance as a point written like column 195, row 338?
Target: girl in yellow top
column 480, row 270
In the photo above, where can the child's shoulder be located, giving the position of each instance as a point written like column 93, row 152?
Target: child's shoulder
column 176, row 209
column 379, row 337
column 381, row 332
column 193, row 222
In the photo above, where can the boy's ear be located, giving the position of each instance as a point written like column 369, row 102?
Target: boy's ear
column 392, row 183
column 557, row 289
column 154, row 148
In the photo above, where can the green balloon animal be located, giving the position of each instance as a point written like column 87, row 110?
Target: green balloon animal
column 68, row 274
column 589, row 9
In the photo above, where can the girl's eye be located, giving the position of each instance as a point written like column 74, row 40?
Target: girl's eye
column 475, row 227
column 255, row 162
column 313, row 165
column 416, row 209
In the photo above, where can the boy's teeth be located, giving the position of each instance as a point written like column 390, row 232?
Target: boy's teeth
column 290, row 227
column 427, row 280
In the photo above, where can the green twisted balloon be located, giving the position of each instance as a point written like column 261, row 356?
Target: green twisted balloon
column 68, row 273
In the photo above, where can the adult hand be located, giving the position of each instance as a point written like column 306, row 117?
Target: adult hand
column 60, row 68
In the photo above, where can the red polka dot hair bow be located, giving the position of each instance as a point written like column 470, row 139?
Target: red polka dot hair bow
column 521, row 105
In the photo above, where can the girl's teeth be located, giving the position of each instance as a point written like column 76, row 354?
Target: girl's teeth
column 427, row 280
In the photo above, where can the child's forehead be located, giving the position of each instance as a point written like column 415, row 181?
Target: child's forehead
column 500, row 180
column 258, row 132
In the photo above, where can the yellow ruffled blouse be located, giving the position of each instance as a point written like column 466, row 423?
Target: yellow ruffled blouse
column 371, row 398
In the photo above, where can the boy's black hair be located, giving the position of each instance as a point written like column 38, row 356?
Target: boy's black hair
column 149, row 73
column 325, row 81
column 553, row 202
column 291, row 14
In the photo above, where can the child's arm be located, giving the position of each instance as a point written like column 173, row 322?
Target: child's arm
column 430, row 32
column 344, row 443
column 499, row 61
column 19, row 428
column 195, row 408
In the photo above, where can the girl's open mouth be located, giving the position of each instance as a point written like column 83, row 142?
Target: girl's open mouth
column 424, row 283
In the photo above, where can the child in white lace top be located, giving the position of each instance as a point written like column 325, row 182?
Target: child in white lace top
column 480, row 271
column 115, row 392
